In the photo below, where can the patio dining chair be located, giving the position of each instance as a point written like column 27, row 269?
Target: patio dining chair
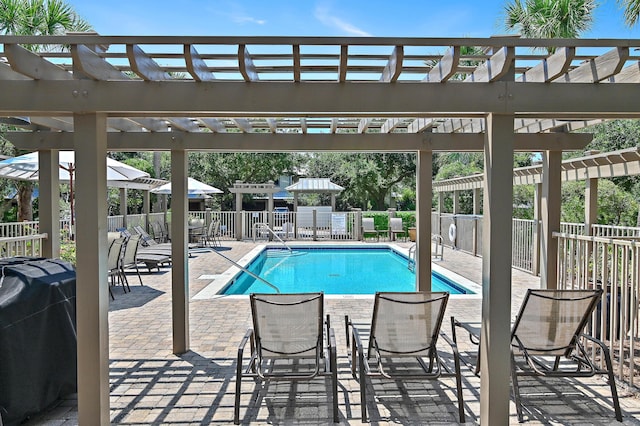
column 369, row 229
column 402, row 343
column 289, row 329
column 114, row 264
column 396, row 228
column 548, row 340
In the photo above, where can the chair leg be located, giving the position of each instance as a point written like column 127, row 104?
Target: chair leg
column 138, row 272
column 516, row 388
column 612, row 384
column 363, row 385
column 334, row 380
column 456, row 359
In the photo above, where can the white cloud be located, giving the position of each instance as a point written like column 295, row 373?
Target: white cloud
column 241, row 19
column 325, row 16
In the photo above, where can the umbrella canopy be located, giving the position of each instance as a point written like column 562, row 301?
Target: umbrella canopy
column 194, row 187
column 25, row 167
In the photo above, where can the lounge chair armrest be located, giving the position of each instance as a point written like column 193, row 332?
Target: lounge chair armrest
column 246, row 338
column 451, row 343
column 595, row 340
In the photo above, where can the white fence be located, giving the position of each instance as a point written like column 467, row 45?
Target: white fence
column 614, row 266
column 27, row 245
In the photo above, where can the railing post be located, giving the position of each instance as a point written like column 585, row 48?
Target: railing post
column 314, row 215
column 357, row 234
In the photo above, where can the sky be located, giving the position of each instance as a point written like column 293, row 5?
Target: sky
column 401, row 18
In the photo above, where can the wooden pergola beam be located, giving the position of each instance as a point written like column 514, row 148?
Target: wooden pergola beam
column 296, row 142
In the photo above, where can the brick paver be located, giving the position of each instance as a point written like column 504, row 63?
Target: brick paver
column 150, row 385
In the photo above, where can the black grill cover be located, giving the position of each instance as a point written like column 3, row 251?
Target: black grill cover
column 37, row 335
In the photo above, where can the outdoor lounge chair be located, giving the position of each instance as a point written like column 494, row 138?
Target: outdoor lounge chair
column 114, row 265
column 130, row 257
column 288, row 328
column 404, row 331
column 369, row 229
column 548, row 340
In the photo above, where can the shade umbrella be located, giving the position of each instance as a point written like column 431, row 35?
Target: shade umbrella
column 26, row 167
column 194, row 187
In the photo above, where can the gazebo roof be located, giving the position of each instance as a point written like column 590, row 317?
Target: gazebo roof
column 314, row 185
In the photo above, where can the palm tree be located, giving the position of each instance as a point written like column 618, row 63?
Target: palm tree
column 549, row 18
column 631, row 13
column 37, row 17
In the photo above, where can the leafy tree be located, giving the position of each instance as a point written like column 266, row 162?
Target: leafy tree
column 631, row 11
column 36, row 17
column 549, row 18
column 615, row 206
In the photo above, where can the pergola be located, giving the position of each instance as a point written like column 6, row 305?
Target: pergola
column 292, row 94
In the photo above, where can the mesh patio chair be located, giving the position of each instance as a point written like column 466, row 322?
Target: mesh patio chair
column 369, row 229
column 159, row 235
column 130, row 256
column 396, row 228
column 114, row 264
column 404, row 331
column 289, row 328
column 548, row 340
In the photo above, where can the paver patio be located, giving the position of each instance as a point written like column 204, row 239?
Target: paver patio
column 150, row 385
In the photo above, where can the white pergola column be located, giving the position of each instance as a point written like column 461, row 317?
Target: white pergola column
column 496, row 271
column 477, row 192
column 590, row 205
column 423, row 219
column 238, row 216
column 550, row 217
column 440, row 210
column 456, row 202
column 333, row 202
column 146, row 207
column 92, row 291
column 179, row 250
column 123, row 206
column 270, row 213
column 49, row 202
column 537, row 195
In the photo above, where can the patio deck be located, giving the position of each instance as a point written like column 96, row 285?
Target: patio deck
column 150, row 385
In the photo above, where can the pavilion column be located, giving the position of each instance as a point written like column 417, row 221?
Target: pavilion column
column 92, row 291
column 123, row 206
column 49, row 202
column 550, row 217
column 456, row 202
column 270, row 213
column 295, row 201
column 423, row 220
column 535, row 267
column 179, row 249
column 440, row 210
column 477, row 192
column 496, row 270
column 239, row 216
column 333, row 202
column 146, row 207
column 590, row 205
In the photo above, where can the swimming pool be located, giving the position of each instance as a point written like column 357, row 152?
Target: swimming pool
column 335, row 270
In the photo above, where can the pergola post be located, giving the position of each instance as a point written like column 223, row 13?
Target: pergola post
column 49, row 202
column 440, row 210
column 146, row 207
column 238, row 216
column 179, row 250
column 535, row 267
column 92, row 291
column 590, row 205
column 496, row 270
column 123, row 206
column 477, row 192
column 423, row 219
column 550, row 217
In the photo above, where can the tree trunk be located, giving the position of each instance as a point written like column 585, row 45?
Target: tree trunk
column 25, row 206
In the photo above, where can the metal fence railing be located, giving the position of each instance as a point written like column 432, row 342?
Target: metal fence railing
column 613, row 265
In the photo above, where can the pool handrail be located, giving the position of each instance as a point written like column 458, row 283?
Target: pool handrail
column 266, row 226
column 237, row 265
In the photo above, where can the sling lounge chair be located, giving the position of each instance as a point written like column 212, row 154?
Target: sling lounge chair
column 396, row 228
column 548, row 340
column 288, row 328
column 402, row 342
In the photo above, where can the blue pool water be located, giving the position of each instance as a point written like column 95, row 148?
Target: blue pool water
column 334, row 271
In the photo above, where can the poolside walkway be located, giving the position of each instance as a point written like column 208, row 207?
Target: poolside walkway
column 150, row 385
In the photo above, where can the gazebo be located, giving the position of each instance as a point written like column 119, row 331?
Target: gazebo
column 306, row 94
column 314, row 185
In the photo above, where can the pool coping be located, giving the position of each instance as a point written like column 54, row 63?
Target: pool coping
column 211, row 290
